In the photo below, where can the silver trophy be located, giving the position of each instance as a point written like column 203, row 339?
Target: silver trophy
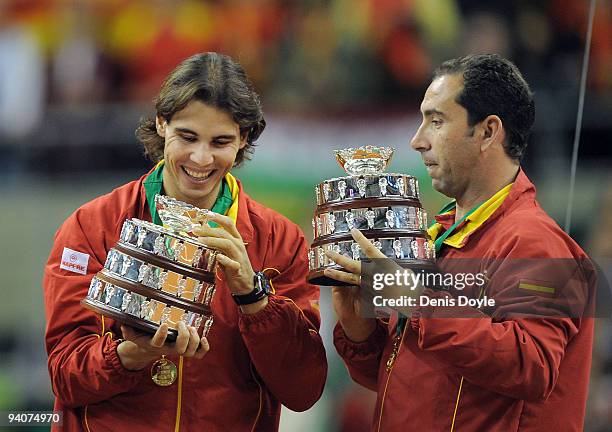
column 158, row 274
column 178, row 215
column 384, row 206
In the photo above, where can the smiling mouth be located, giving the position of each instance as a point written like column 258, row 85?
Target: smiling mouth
column 199, row 176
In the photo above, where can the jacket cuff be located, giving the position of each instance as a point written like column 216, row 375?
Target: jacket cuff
column 269, row 314
column 372, row 346
column 109, row 352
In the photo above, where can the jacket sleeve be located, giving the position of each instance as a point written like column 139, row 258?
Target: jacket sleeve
column 282, row 339
column 83, row 363
column 516, row 348
column 362, row 359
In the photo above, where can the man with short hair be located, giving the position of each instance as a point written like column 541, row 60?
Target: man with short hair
column 264, row 348
column 521, row 364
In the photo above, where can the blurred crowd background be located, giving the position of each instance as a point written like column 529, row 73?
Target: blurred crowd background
column 75, row 76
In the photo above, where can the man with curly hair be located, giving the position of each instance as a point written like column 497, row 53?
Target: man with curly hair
column 264, row 349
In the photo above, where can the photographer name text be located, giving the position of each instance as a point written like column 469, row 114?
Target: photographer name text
column 407, row 301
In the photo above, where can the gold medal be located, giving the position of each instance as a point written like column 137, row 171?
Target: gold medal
column 163, row 372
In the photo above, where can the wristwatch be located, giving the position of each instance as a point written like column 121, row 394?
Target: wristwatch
column 261, row 288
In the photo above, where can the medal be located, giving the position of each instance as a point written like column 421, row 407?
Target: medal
column 163, row 372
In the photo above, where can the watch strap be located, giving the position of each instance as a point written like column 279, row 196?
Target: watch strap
column 261, row 288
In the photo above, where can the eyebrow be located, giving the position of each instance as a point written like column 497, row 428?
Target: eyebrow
column 189, row 131
column 185, row 130
column 430, row 112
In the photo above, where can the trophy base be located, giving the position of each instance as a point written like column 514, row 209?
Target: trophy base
column 316, row 277
column 128, row 320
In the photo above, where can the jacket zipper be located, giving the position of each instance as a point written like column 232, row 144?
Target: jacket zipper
column 397, row 344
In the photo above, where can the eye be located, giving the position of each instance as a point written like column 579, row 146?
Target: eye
column 436, row 122
column 222, row 142
column 188, row 138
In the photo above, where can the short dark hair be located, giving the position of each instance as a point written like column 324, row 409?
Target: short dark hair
column 216, row 80
column 494, row 85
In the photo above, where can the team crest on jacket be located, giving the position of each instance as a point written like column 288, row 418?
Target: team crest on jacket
column 74, row 261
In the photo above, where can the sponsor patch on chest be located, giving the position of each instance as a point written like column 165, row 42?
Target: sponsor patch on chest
column 74, row 261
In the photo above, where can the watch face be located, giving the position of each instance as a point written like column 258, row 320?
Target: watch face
column 263, row 282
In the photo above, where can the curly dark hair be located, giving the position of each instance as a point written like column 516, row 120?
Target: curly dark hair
column 494, row 85
column 216, row 80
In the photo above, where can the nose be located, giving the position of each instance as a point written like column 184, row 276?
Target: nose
column 202, row 154
column 418, row 141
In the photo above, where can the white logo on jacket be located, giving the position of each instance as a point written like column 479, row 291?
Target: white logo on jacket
column 74, row 261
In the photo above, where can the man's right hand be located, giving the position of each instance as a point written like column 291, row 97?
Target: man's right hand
column 348, row 306
column 347, row 300
column 138, row 350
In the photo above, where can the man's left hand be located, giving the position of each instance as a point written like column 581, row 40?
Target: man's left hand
column 232, row 257
column 352, row 273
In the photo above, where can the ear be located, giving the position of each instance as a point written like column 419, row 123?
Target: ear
column 243, row 139
column 160, row 125
column 491, row 132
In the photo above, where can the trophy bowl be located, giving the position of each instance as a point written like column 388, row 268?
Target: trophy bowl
column 364, row 160
column 180, row 216
column 385, row 207
column 158, row 274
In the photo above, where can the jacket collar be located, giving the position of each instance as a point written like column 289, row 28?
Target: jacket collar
column 243, row 223
column 521, row 190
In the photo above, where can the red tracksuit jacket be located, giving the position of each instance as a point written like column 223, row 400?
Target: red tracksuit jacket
column 255, row 363
column 489, row 372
